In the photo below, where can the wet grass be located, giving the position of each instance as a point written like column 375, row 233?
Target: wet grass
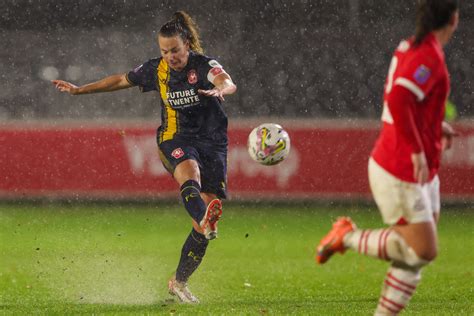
column 58, row 259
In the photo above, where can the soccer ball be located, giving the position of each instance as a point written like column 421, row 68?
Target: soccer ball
column 268, row 144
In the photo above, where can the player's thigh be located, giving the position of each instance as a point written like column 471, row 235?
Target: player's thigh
column 384, row 189
column 180, row 159
column 187, row 170
column 399, row 201
column 214, row 170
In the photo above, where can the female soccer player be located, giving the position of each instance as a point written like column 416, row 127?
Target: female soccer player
column 192, row 138
column 404, row 164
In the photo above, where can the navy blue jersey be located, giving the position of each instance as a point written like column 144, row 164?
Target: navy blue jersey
column 185, row 114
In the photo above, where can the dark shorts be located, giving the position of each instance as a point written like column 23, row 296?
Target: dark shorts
column 211, row 158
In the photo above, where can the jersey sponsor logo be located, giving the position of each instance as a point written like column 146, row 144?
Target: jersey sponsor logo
column 213, row 63
column 192, row 76
column 422, row 74
column 177, row 153
column 182, row 99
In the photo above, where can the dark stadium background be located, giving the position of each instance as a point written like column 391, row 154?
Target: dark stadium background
column 292, row 59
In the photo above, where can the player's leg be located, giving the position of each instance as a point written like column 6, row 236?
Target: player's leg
column 409, row 208
column 412, row 244
column 401, row 280
column 422, row 204
column 182, row 162
column 204, row 208
column 409, row 246
column 387, row 244
column 399, row 286
column 213, row 179
column 405, row 272
column 395, row 243
column 193, row 250
column 408, row 256
column 188, row 176
column 412, row 238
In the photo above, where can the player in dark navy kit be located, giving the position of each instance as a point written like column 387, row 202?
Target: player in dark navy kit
column 192, row 138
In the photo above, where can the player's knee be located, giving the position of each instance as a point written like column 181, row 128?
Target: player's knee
column 429, row 253
column 419, row 243
column 420, row 258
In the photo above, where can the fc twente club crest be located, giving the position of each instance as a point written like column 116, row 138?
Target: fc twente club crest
column 192, row 76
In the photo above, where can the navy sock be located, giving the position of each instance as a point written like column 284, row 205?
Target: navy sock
column 193, row 251
column 194, row 204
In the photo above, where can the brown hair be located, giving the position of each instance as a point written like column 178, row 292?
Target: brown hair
column 181, row 24
column 432, row 15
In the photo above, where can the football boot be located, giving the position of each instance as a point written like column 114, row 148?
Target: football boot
column 334, row 241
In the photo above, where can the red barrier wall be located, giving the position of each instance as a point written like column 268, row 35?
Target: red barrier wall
column 327, row 160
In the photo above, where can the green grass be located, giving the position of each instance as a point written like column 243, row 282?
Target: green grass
column 116, row 259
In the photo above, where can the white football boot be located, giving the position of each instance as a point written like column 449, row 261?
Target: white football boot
column 181, row 291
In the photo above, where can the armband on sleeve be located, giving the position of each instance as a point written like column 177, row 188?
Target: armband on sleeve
column 215, row 71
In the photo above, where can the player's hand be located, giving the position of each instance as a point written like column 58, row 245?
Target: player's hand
column 212, row 93
column 448, row 133
column 65, row 86
column 420, row 167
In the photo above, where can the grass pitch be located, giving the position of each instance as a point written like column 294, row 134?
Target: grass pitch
column 116, row 259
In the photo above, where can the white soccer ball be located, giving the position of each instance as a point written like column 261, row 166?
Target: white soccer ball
column 268, row 144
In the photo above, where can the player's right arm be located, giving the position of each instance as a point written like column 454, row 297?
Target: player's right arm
column 111, row 83
column 402, row 103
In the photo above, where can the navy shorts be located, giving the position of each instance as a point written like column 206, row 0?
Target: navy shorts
column 211, row 158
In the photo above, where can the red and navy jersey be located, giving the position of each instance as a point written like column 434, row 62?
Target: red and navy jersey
column 185, row 113
column 422, row 71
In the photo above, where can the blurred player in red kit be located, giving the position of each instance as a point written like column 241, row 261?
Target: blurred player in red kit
column 404, row 163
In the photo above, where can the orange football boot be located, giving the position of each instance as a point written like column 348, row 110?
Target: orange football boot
column 334, row 241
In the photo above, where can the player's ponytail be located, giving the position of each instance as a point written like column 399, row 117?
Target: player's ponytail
column 192, row 30
column 183, row 25
column 432, row 15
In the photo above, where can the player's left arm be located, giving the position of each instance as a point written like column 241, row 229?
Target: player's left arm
column 223, row 85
